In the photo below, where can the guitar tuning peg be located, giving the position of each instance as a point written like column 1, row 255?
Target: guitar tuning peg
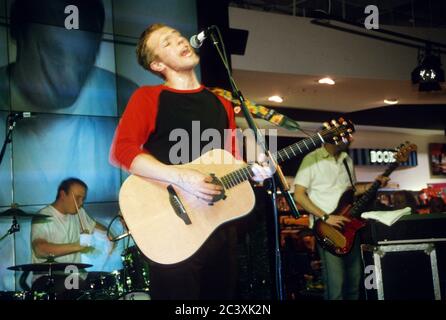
column 336, row 140
column 326, row 125
column 335, row 123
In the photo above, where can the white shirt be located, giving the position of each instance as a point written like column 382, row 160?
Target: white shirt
column 60, row 229
column 325, row 178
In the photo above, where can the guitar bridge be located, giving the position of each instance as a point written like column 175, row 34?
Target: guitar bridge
column 177, row 205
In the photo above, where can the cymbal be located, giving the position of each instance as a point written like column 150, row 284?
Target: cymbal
column 14, row 212
column 47, row 266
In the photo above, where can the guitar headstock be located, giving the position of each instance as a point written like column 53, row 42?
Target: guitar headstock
column 338, row 131
column 403, row 150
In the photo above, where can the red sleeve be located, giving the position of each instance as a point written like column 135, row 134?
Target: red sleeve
column 135, row 126
column 232, row 143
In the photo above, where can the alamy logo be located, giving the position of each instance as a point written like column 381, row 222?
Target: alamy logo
column 188, row 146
column 370, row 278
column 372, row 20
column 72, row 279
column 72, row 20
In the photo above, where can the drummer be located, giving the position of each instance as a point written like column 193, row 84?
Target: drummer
column 60, row 236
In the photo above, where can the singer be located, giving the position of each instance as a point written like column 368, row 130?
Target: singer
column 142, row 146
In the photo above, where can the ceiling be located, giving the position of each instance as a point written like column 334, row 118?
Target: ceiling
column 420, row 13
column 362, row 99
column 347, row 95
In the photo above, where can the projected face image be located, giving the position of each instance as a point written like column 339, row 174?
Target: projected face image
column 58, row 69
column 53, row 64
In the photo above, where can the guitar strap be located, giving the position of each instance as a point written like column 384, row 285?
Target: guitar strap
column 349, row 174
column 259, row 111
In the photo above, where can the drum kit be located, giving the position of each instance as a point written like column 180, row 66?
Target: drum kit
column 129, row 283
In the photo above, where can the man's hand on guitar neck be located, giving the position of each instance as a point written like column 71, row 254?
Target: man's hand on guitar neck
column 261, row 169
column 362, row 188
column 383, row 180
column 261, row 172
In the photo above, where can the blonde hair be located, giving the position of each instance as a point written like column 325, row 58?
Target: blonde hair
column 144, row 55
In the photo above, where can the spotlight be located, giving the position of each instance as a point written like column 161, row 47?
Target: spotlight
column 277, row 99
column 327, row 80
column 391, row 101
column 428, row 74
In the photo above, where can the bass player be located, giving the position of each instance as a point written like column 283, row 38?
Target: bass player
column 323, row 176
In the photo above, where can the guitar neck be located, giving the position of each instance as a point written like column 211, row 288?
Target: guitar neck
column 365, row 199
column 299, row 148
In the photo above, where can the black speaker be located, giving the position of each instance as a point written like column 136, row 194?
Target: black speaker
column 256, row 251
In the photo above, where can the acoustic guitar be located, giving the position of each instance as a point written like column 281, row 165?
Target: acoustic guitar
column 169, row 224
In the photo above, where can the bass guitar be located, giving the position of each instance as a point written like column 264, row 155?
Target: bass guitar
column 340, row 241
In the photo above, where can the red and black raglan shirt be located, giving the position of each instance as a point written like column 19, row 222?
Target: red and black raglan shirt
column 154, row 111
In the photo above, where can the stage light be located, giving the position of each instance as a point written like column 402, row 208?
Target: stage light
column 277, row 99
column 327, row 80
column 428, row 74
column 391, row 101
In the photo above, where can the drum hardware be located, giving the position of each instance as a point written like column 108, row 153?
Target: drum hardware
column 125, row 234
column 23, row 295
column 136, row 270
column 136, row 295
column 49, row 266
column 14, row 212
column 129, row 283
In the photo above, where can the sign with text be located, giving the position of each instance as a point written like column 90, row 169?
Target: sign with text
column 372, row 157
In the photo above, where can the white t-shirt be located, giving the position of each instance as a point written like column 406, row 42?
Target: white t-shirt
column 59, row 229
column 325, row 178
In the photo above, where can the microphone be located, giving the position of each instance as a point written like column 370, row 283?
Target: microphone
column 197, row 40
column 13, row 117
column 20, row 115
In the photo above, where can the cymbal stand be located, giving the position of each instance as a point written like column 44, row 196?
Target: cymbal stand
column 50, row 283
column 15, row 227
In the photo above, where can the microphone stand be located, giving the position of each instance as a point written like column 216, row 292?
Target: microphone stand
column 8, row 138
column 15, row 227
column 278, row 177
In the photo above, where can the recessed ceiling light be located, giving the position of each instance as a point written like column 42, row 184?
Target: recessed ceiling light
column 391, row 101
column 327, row 80
column 277, row 99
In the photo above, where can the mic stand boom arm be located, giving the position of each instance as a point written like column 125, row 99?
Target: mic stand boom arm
column 278, row 174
